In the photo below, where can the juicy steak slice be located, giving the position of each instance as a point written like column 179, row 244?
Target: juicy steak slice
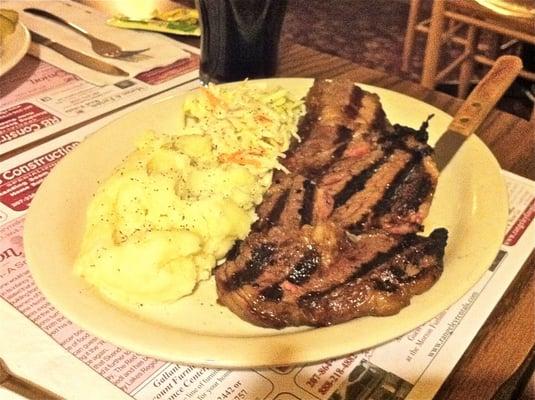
column 345, row 170
column 336, row 237
column 393, row 192
column 383, row 285
column 342, row 121
column 318, row 276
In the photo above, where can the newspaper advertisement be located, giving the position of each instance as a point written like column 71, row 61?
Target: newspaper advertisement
column 38, row 99
column 410, row 367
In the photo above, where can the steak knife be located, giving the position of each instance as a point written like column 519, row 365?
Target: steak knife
column 78, row 57
column 476, row 107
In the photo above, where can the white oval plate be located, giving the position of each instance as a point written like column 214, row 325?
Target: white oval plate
column 14, row 48
column 470, row 201
column 510, row 8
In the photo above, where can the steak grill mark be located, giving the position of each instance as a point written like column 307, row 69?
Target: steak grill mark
column 234, row 252
column 273, row 217
column 412, row 202
column 298, row 275
column 305, row 267
column 272, row 293
column 355, row 102
column 308, row 202
column 378, row 260
column 385, row 203
column 277, row 209
column 338, row 152
column 261, row 256
column 385, row 285
column 343, row 137
column 357, row 182
column 343, row 134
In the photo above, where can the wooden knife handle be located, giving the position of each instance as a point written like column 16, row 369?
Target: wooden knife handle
column 24, row 387
column 485, row 95
column 29, row 389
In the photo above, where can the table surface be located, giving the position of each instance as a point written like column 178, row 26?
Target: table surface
column 503, row 352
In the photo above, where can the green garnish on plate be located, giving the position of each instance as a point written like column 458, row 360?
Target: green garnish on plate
column 180, row 21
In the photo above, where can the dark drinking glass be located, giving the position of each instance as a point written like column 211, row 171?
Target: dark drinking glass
column 239, row 38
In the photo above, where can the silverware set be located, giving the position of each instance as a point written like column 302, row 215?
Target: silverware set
column 99, row 46
column 78, row 56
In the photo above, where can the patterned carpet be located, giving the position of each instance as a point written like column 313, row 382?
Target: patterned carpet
column 371, row 33
column 367, row 32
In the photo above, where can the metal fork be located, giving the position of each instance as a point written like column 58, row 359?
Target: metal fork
column 101, row 47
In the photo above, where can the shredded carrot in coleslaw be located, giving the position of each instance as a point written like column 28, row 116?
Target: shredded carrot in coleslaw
column 239, row 158
column 250, row 124
column 212, row 99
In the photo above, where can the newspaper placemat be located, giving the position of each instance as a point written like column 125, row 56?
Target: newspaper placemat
column 60, row 356
column 159, row 50
column 38, row 99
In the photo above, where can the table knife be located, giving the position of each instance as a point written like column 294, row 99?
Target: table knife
column 77, row 56
column 476, row 107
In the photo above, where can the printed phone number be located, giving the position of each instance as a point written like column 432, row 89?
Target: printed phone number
column 233, row 392
column 334, row 377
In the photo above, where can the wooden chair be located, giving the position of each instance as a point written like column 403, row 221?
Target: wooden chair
column 450, row 18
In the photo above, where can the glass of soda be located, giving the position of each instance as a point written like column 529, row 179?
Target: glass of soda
column 239, row 38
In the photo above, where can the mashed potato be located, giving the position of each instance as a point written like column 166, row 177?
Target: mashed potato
column 175, row 206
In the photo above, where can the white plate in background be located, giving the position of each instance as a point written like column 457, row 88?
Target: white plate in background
column 14, row 48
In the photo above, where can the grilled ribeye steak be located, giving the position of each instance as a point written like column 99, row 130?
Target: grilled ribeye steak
column 319, row 276
column 336, row 236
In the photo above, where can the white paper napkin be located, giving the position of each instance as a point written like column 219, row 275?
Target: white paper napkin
column 163, row 50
